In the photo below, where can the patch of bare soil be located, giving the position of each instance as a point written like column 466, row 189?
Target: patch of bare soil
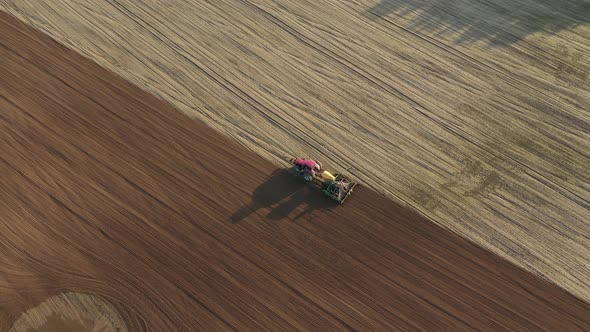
column 107, row 190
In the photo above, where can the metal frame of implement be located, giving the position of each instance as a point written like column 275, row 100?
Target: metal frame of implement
column 332, row 188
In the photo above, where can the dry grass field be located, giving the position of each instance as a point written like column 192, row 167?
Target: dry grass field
column 109, row 193
column 474, row 113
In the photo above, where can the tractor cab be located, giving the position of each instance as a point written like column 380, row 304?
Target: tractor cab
column 335, row 186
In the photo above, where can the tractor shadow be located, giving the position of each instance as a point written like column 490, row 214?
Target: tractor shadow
column 284, row 194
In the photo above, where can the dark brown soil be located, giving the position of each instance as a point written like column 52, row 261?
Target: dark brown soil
column 105, row 189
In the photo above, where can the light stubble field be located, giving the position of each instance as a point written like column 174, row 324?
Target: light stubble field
column 474, row 113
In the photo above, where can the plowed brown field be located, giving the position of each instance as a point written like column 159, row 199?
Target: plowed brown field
column 107, row 190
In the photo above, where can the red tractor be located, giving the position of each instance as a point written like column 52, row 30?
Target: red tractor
column 336, row 186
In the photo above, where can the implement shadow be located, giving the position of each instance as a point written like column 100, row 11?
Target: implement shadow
column 499, row 22
column 283, row 193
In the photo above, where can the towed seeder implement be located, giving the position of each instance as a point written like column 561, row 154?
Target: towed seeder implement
column 335, row 186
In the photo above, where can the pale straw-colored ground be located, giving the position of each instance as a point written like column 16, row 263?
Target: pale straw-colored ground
column 475, row 113
column 71, row 311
